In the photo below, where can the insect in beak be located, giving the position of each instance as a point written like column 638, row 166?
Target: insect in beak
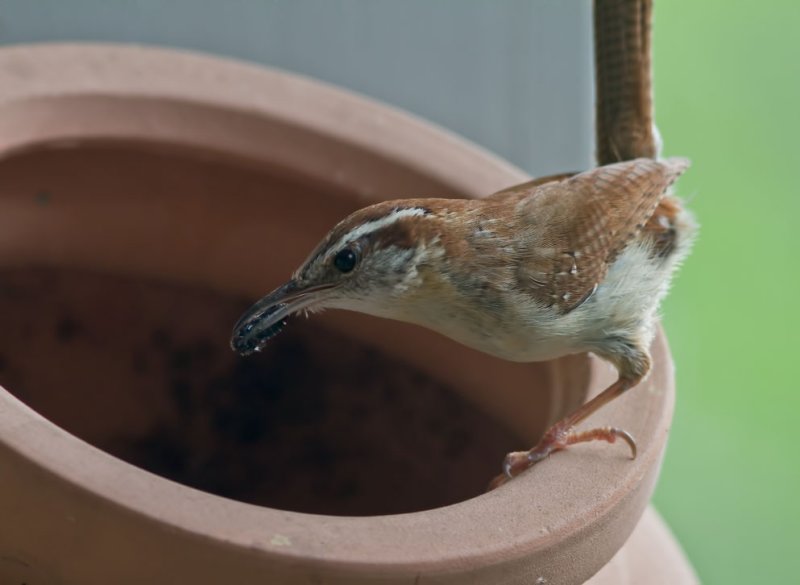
column 266, row 318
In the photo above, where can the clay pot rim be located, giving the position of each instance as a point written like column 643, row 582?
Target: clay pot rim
column 502, row 525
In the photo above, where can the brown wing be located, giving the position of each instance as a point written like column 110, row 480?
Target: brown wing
column 579, row 225
column 525, row 188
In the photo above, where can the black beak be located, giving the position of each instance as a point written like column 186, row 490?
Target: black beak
column 265, row 319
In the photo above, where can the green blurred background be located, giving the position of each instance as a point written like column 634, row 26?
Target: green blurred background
column 728, row 92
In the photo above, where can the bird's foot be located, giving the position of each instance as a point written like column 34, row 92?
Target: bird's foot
column 558, row 437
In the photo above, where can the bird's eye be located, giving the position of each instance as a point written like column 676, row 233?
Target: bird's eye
column 345, row 260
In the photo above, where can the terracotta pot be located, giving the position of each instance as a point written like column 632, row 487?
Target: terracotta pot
column 145, row 196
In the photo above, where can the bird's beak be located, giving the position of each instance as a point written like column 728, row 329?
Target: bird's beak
column 267, row 317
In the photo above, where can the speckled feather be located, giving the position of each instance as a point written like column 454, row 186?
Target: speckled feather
column 557, row 265
column 568, row 229
column 576, row 227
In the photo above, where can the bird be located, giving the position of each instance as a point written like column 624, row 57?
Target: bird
column 563, row 264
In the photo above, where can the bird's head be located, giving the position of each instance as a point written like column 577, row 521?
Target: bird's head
column 367, row 263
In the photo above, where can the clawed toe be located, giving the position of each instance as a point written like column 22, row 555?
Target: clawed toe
column 515, row 463
column 555, row 439
column 608, row 434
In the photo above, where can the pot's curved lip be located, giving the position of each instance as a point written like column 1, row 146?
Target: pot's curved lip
column 566, row 501
column 35, row 76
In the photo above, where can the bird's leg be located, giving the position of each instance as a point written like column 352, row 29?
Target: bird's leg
column 563, row 434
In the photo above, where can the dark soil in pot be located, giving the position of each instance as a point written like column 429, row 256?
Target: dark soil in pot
column 118, row 280
column 315, row 423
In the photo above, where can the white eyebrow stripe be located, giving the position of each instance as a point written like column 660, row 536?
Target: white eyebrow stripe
column 377, row 224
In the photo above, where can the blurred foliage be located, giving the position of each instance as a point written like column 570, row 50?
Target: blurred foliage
column 728, row 92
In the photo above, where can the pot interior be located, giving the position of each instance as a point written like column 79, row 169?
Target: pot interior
column 123, row 267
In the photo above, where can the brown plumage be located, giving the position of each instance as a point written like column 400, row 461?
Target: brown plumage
column 558, row 265
column 579, row 225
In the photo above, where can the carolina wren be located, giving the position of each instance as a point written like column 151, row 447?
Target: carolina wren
column 562, row 264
